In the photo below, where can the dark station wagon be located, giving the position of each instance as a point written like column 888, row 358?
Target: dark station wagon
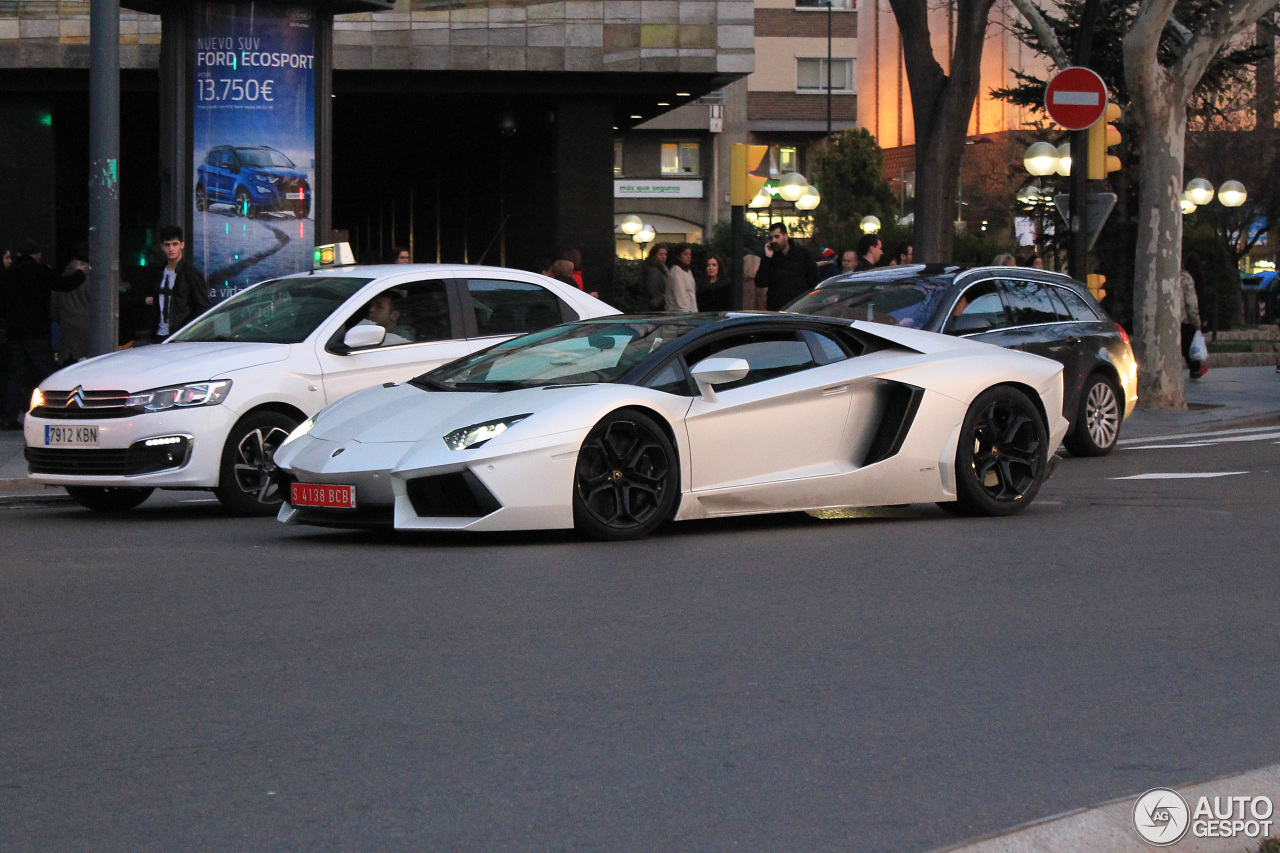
column 1036, row 311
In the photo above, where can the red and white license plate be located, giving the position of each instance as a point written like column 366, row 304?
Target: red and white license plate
column 315, row 494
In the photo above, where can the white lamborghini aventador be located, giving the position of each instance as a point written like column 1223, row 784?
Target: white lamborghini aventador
column 617, row 424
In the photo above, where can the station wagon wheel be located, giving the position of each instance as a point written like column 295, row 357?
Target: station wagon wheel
column 1097, row 423
column 108, row 498
column 245, row 485
column 1002, row 455
column 627, row 478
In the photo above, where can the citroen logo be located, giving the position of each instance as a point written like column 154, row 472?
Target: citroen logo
column 76, row 398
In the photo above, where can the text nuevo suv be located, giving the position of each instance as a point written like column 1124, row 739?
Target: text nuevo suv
column 254, row 179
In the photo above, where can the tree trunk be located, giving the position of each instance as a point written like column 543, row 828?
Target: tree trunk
column 1160, row 106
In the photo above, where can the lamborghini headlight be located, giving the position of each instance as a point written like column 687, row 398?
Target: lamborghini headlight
column 181, row 396
column 473, row 436
column 299, row 431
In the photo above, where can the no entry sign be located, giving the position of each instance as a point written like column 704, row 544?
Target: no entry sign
column 1076, row 98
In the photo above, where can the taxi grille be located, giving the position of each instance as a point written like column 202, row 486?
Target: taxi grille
column 80, row 404
column 137, row 459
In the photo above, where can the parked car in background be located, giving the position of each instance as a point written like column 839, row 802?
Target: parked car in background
column 255, row 180
column 208, row 408
column 1036, row 311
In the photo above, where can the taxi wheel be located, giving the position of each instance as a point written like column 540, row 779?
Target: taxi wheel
column 244, row 478
column 108, row 498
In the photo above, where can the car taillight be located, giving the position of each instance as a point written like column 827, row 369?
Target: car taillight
column 1124, row 336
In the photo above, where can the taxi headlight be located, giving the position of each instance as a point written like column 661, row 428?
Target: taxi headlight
column 181, row 396
column 473, row 436
column 37, row 400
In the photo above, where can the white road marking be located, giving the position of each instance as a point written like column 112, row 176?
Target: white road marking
column 1226, row 439
column 1200, row 475
column 1196, row 435
column 1171, row 446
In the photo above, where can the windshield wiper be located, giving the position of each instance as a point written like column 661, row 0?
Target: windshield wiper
column 488, row 386
column 428, row 384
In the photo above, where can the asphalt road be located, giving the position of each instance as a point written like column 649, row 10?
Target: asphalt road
column 183, row 681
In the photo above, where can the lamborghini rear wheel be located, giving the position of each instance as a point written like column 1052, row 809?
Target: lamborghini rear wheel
column 627, row 478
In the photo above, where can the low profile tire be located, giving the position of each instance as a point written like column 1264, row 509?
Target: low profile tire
column 627, row 478
column 202, row 198
column 108, row 498
column 248, row 458
column 1002, row 456
column 1097, row 423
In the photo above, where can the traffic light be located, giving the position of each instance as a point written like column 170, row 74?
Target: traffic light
column 1102, row 135
column 1095, row 282
column 748, row 171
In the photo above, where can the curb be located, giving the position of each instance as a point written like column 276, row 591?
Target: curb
column 1109, row 826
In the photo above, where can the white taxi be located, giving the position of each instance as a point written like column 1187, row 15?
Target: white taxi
column 207, row 408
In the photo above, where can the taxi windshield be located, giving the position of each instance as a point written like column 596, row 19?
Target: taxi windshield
column 601, row 350
column 283, row 311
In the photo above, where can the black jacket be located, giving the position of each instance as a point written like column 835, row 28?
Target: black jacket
column 787, row 276
column 25, row 289
column 190, row 295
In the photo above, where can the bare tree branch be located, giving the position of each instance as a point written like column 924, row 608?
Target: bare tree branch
column 1046, row 40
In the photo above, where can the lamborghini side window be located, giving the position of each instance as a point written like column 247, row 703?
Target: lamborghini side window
column 825, row 349
column 769, row 355
column 671, row 380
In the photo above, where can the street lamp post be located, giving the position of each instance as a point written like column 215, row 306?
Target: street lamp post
column 1199, row 192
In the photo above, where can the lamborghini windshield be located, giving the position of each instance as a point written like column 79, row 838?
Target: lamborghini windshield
column 601, row 350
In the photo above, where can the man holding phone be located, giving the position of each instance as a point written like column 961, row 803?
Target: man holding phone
column 786, row 271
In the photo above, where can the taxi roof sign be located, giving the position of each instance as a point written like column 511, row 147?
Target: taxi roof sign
column 332, row 255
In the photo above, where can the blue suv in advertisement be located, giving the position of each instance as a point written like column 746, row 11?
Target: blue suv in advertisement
column 254, row 179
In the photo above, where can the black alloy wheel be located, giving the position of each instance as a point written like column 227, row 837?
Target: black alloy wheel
column 202, row 198
column 108, row 498
column 1097, row 423
column 627, row 478
column 1002, row 456
column 245, row 485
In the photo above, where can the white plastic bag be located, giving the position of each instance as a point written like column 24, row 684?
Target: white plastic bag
column 1199, row 350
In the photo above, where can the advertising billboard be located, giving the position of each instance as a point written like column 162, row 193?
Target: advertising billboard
column 253, row 141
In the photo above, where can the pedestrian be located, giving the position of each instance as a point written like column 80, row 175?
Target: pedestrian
column 713, row 285
column 654, row 273
column 869, row 251
column 750, row 269
column 574, row 257
column 72, row 311
column 848, row 260
column 562, row 271
column 1004, row 259
column 905, row 254
column 176, row 292
column 787, row 270
column 28, row 287
column 682, row 290
column 1190, row 322
column 400, row 255
column 826, row 263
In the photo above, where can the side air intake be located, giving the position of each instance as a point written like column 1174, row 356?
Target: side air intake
column 901, row 402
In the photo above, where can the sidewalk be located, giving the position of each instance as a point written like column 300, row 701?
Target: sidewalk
column 1228, row 395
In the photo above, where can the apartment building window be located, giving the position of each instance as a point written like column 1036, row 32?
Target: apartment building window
column 617, row 158
column 787, row 160
column 680, row 158
column 811, row 75
column 822, row 4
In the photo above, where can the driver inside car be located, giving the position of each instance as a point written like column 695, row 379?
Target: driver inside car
column 384, row 311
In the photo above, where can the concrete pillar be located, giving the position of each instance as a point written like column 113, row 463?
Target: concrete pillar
column 584, row 187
